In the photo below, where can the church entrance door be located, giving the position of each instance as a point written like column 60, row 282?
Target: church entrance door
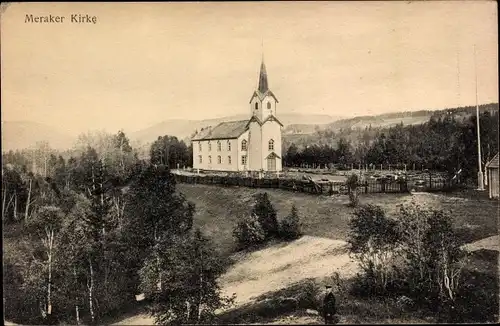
column 271, row 164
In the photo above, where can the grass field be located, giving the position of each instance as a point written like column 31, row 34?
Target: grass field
column 219, row 208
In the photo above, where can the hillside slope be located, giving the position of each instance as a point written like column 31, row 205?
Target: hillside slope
column 24, row 134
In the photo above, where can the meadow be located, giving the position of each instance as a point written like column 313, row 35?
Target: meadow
column 219, row 208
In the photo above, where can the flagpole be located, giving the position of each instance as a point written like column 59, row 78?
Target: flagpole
column 480, row 180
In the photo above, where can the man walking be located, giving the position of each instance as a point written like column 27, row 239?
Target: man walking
column 329, row 309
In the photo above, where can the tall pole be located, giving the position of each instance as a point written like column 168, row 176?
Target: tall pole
column 480, row 180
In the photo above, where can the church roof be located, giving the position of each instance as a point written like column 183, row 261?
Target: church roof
column 262, row 95
column 224, row 130
column 263, row 89
column 263, row 86
column 273, row 155
column 269, row 118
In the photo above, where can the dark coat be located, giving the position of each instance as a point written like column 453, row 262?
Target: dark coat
column 329, row 304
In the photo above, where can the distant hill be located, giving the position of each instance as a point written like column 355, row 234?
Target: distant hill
column 352, row 128
column 183, row 129
column 407, row 118
column 24, row 134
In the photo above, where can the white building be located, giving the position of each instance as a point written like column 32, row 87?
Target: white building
column 246, row 145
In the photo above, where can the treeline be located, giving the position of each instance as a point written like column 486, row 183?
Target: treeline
column 443, row 144
column 84, row 235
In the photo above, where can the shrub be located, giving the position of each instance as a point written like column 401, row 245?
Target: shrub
column 266, row 215
column 373, row 239
column 249, row 232
column 290, row 226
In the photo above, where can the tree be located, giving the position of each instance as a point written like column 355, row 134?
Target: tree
column 249, row 232
column 154, row 213
column 266, row 215
column 290, row 226
column 434, row 260
column 46, row 226
column 190, row 266
column 373, row 239
column 169, row 151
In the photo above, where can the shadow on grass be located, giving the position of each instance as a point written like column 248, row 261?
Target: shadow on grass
column 478, row 299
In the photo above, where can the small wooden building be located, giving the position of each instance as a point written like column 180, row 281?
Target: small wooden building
column 492, row 174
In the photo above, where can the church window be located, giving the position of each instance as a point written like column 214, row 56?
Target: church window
column 244, row 145
column 200, row 159
column 256, row 106
column 269, row 105
column 209, row 146
column 229, row 160
column 271, row 145
column 218, row 146
column 219, row 159
column 244, row 160
column 229, row 145
column 199, row 146
column 209, row 159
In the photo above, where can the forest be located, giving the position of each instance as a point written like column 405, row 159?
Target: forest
column 88, row 229
column 84, row 236
column 443, row 143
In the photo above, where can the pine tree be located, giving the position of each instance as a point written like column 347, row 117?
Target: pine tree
column 290, row 226
column 266, row 215
column 248, row 232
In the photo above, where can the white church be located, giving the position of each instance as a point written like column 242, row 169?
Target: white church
column 246, row 145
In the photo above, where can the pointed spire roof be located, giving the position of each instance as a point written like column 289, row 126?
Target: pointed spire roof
column 263, row 85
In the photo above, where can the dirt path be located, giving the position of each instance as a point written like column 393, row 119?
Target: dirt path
column 277, row 267
column 490, row 243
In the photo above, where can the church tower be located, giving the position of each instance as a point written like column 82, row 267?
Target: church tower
column 264, row 138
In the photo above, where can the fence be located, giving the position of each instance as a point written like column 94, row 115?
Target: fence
column 305, row 186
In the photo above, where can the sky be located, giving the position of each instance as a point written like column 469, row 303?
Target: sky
column 144, row 63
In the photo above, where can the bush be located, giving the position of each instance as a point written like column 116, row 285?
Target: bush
column 290, row 226
column 249, row 232
column 373, row 239
column 266, row 215
column 433, row 258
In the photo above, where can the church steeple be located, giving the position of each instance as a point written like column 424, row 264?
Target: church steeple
column 263, row 86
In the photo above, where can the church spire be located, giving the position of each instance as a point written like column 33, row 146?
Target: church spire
column 263, row 86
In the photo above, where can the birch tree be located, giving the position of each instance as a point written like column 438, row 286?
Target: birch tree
column 46, row 225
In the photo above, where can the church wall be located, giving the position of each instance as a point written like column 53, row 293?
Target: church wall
column 263, row 111
column 271, row 130
column 241, row 153
column 254, row 147
column 214, row 153
column 252, row 107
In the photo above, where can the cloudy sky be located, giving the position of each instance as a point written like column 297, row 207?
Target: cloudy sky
column 144, row 63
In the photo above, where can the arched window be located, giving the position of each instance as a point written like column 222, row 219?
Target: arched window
column 229, row 160
column 269, row 105
column 218, row 146
column 244, row 145
column 209, row 159
column 229, row 145
column 199, row 146
column 256, row 106
column 271, row 145
column 219, row 159
column 209, row 146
